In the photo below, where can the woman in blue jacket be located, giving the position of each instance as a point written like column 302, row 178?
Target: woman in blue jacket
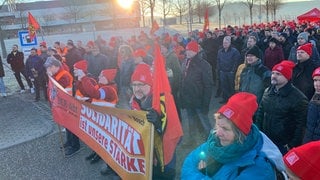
column 235, row 149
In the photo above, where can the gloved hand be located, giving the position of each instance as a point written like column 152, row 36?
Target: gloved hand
column 154, row 118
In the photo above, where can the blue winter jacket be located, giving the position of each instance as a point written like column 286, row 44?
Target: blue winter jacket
column 252, row 165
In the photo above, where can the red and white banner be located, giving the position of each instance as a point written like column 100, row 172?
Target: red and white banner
column 123, row 138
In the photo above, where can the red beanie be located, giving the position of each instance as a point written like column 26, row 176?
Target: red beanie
column 43, row 43
column 90, row 44
column 316, row 72
column 193, row 46
column 307, row 48
column 285, row 67
column 240, row 109
column 143, row 74
column 304, row 160
column 139, row 53
column 110, row 74
column 83, row 65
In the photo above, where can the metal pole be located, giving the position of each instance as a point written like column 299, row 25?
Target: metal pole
column 190, row 16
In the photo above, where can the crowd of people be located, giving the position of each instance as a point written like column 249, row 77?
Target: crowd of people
column 267, row 76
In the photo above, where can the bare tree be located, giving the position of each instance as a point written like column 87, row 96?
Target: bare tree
column 267, row 7
column 179, row 8
column 143, row 10
column 152, row 4
column 200, row 8
column 220, row 4
column 45, row 21
column 250, row 4
column 74, row 11
column 165, row 6
column 274, row 6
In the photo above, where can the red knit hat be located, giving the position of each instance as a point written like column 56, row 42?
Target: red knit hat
column 110, row 74
column 240, row 109
column 307, row 48
column 83, row 65
column 316, row 72
column 285, row 67
column 304, row 160
column 139, row 53
column 43, row 43
column 90, row 44
column 193, row 46
column 143, row 74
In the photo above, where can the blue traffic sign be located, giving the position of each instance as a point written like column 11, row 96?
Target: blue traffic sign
column 25, row 39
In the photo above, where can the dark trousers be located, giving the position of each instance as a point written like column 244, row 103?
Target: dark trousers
column 19, row 80
column 72, row 140
column 198, row 119
column 227, row 84
column 40, row 82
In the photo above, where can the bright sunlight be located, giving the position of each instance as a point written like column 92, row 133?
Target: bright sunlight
column 125, row 3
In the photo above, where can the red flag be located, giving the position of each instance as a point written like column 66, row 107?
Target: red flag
column 33, row 26
column 206, row 21
column 155, row 27
column 164, row 104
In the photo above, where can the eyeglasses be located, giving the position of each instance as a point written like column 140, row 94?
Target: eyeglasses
column 137, row 85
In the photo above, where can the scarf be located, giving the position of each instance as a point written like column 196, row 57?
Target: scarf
column 225, row 154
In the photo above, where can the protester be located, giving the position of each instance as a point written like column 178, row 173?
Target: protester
column 196, row 91
column 303, row 162
column 106, row 95
column 97, row 62
column 60, row 48
column 16, row 60
column 55, row 69
column 255, row 77
column 283, row 109
column 36, row 73
column 174, row 73
column 313, row 118
column 141, row 83
column 43, row 51
column 228, row 61
column 126, row 67
column 73, row 55
column 285, row 44
column 2, row 86
column 303, row 39
column 273, row 54
column 302, row 72
column 235, row 149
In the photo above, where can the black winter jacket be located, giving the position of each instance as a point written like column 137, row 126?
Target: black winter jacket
column 282, row 115
column 197, row 84
column 302, row 77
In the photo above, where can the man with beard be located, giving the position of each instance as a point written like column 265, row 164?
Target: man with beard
column 282, row 111
column 16, row 60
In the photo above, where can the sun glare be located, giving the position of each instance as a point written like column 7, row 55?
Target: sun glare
column 125, row 3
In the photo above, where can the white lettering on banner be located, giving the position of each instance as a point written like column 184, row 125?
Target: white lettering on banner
column 127, row 136
column 130, row 164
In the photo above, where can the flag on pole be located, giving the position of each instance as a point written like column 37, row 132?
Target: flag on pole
column 154, row 27
column 33, row 26
column 206, row 21
column 164, row 104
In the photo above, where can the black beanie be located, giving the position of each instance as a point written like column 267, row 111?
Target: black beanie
column 274, row 40
column 254, row 51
